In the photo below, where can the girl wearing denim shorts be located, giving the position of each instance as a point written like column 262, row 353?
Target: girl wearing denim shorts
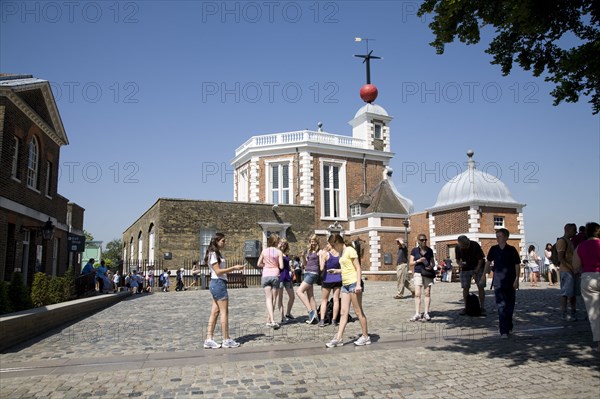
column 330, row 259
column 311, row 274
column 218, row 289
column 271, row 261
column 352, row 291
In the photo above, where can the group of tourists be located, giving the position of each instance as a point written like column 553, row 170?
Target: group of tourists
column 336, row 267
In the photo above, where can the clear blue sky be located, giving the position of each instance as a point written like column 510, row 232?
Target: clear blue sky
column 156, row 96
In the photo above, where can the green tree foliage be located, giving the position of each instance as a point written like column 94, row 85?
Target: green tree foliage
column 88, row 236
column 113, row 252
column 534, row 33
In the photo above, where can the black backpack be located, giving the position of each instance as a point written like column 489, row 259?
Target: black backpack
column 473, row 308
column 328, row 319
column 554, row 254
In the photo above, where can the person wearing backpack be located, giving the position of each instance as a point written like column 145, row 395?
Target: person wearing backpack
column 569, row 276
column 471, row 258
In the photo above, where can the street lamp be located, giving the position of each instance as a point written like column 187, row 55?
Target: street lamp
column 406, row 223
column 47, row 229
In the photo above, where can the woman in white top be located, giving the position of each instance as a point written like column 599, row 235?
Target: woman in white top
column 534, row 266
column 550, row 267
column 218, row 289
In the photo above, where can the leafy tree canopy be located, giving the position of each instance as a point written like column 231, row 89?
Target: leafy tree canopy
column 113, row 251
column 88, row 236
column 532, row 33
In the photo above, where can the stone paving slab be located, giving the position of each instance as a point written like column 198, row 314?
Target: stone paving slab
column 150, row 346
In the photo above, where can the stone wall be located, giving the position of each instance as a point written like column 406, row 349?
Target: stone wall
column 178, row 223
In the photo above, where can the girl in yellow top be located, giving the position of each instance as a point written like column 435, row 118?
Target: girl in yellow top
column 351, row 291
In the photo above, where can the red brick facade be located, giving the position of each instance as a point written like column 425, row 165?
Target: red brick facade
column 25, row 209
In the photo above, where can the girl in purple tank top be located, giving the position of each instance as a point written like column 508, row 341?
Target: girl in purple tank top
column 311, row 273
column 330, row 259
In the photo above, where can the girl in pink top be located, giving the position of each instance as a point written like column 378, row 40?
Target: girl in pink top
column 271, row 261
column 587, row 259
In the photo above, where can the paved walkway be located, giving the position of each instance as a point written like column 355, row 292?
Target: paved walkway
column 150, row 346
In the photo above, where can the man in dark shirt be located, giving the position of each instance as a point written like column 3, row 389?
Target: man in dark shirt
column 507, row 267
column 402, row 270
column 470, row 257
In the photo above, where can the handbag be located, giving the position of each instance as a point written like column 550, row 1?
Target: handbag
column 427, row 271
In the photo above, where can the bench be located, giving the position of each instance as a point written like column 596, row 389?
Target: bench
column 234, row 280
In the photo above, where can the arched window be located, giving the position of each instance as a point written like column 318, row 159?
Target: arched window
column 33, row 163
column 140, row 247
column 151, row 244
column 131, row 250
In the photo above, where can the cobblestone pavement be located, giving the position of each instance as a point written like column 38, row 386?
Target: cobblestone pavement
column 150, row 346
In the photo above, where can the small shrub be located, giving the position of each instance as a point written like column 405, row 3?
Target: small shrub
column 18, row 293
column 4, row 301
column 69, row 286
column 39, row 290
column 56, row 290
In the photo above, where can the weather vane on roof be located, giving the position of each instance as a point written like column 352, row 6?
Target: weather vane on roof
column 367, row 58
column 368, row 92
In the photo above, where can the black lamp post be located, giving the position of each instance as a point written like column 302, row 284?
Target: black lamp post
column 48, row 230
column 406, row 223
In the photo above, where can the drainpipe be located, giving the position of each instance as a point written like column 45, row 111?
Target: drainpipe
column 364, row 173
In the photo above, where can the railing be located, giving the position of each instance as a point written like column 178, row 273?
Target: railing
column 251, row 273
column 301, row 136
column 85, row 283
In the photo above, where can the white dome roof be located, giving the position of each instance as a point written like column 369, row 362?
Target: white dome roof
column 372, row 109
column 474, row 186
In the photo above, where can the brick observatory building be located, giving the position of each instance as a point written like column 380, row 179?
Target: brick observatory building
column 307, row 182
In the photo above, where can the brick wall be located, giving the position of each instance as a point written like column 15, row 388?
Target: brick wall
column 178, row 224
column 419, row 224
column 16, row 123
column 510, row 219
column 451, row 222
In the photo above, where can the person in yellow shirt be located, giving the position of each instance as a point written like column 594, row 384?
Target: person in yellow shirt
column 352, row 290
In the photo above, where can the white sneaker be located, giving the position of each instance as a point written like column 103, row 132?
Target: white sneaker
column 416, row 317
column 211, row 344
column 229, row 343
column 334, row 342
column 362, row 340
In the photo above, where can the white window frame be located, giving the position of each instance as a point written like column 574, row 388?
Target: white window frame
column 140, row 246
column 33, row 162
column 206, row 235
column 243, row 184
column 289, row 162
column 14, row 171
column 499, row 218
column 355, row 210
column 342, row 198
column 375, row 126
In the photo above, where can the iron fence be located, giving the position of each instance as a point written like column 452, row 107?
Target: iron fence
column 157, row 267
